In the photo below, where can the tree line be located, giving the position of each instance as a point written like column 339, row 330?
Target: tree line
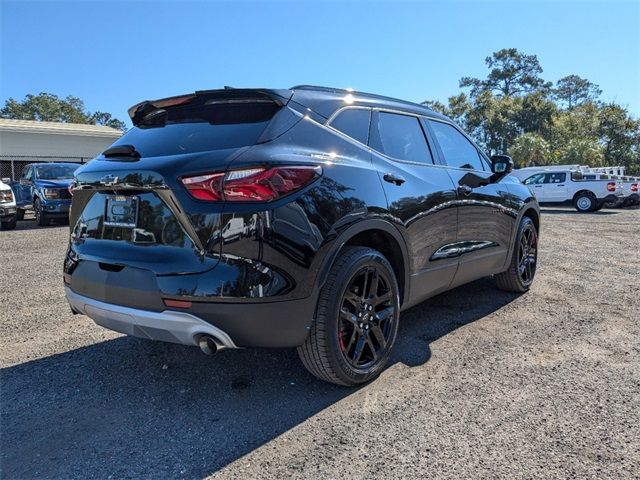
column 515, row 111
column 47, row 107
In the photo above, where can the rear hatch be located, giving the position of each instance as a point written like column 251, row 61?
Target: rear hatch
column 129, row 206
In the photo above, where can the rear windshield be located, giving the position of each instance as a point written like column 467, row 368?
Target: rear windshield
column 200, row 128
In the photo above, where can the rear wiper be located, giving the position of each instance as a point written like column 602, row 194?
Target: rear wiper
column 122, row 151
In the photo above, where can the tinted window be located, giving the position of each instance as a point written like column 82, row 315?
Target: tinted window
column 200, row 128
column 457, row 150
column 27, row 173
column 555, row 177
column 533, row 179
column 401, row 137
column 353, row 122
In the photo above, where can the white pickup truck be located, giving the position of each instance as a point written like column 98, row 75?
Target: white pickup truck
column 631, row 189
column 7, row 206
column 587, row 192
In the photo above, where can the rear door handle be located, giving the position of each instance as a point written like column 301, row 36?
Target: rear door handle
column 392, row 178
column 464, row 189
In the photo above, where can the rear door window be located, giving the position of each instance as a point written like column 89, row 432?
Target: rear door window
column 559, row 177
column 353, row 122
column 401, row 137
column 458, row 151
column 200, row 128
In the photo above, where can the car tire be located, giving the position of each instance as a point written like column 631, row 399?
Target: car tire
column 524, row 259
column 356, row 319
column 585, row 202
column 19, row 214
column 41, row 218
column 9, row 224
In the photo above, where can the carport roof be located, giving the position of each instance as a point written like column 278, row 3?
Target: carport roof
column 32, row 126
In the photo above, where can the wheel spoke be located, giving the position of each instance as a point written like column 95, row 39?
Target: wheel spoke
column 365, row 284
column 359, row 348
column 348, row 316
column 352, row 298
column 385, row 297
column 379, row 336
column 385, row 314
column 374, row 354
column 352, row 340
column 373, row 286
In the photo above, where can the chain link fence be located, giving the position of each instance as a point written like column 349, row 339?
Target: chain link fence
column 11, row 166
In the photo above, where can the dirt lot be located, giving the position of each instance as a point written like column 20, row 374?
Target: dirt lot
column 482, row 383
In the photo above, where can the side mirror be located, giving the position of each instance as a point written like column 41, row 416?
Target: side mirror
column 5, row 180
column 501, row 166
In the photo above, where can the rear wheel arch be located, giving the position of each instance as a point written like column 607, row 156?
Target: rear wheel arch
column 583, row 192
column 533, row 214
column 530, row 210
column 378, row 235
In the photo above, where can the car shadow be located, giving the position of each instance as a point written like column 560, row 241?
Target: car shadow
column 29, row 223
column 555, row 211
column 133, row 408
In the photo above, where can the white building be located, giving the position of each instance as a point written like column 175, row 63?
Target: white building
column 28, row 138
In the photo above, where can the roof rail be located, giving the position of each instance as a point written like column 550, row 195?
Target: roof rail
column 357, row 92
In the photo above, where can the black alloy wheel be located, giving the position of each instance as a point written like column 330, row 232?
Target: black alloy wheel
column 356, row 321
column 367, row 317
column 524, row 259
column 528, row 254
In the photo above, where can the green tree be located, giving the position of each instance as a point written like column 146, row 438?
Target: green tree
column 574, row 90
column 512, row 73
column 620, row 137
column 47, row 107
column 530, row 149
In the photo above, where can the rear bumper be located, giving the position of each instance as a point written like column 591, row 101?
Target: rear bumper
column 166, row 326
column 133, row 304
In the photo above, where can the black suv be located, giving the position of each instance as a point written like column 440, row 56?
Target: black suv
column 307, row 217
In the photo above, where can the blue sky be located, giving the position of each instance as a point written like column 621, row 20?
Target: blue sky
column 114, row 54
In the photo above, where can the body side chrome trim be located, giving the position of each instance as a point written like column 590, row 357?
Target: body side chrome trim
column 460, row 248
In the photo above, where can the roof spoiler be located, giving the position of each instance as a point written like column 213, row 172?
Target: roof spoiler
column 142, row 109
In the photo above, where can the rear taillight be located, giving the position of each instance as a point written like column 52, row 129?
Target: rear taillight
column 252, row 184
column 634, row 187
column 611, row 186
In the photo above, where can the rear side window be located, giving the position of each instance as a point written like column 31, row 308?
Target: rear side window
column 457, row 150
column 200, row 128
column 401, row 137
column 555, row 177
column 354, row 122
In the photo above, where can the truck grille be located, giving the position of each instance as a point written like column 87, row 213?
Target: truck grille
column 64, row 194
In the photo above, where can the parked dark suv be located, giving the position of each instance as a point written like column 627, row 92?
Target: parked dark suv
column 306, row 218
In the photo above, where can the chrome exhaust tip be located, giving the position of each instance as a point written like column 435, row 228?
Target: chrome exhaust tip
column 209, row 345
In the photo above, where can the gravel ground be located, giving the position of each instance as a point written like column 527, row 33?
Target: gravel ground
column 482, row 383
